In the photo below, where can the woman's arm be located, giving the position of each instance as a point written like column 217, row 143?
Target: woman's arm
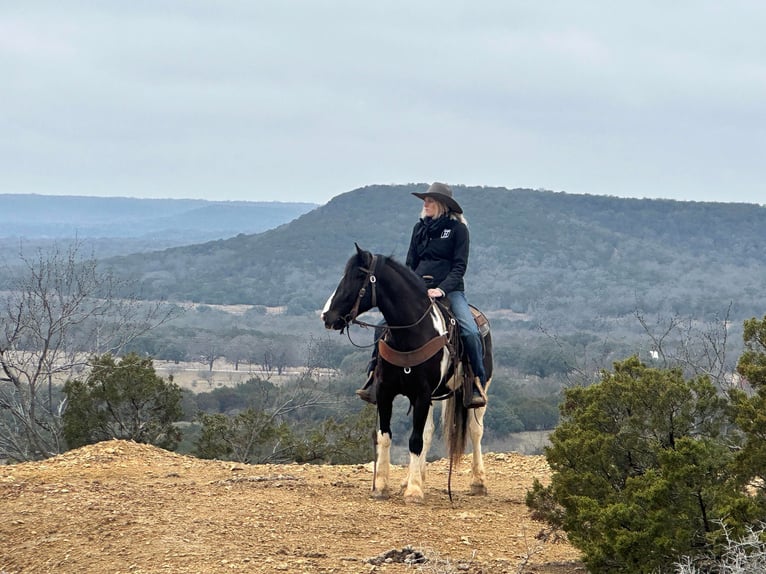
column 454, row 278
column 412, row 254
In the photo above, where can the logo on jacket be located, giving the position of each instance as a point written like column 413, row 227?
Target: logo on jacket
column 445, row 233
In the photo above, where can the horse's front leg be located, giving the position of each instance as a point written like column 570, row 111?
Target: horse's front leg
column 428, row 433
column 383, row 466
column 420, row 441
column 476, row 432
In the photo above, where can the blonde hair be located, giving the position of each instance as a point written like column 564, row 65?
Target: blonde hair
column 442, row 209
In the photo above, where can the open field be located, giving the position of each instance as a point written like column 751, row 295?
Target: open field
column 198, row 378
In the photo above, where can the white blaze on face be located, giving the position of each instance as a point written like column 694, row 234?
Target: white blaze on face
column 327, row 305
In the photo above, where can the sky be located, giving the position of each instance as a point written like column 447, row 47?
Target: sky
column 293, row 100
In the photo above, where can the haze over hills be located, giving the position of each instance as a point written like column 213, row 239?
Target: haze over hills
column 562, row 258
column 120, row 225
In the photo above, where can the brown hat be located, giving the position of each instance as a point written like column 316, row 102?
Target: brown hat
column 441, row 192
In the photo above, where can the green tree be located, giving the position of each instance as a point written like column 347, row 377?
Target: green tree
column 345, row 441
column 258, row 436
column 251, row 436
column 122, row 399
column 641, row 469
column 750, row 410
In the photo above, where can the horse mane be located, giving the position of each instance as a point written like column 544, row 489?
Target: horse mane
column 410, row 277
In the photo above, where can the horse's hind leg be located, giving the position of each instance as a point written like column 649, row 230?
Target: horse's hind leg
column 418, row 440
column 476, row 431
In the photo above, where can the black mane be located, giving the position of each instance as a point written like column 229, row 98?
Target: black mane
column 412, row 278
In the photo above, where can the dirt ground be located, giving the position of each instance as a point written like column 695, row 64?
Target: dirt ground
column 122, row 507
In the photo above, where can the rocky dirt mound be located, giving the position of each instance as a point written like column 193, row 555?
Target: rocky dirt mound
column 123, row 507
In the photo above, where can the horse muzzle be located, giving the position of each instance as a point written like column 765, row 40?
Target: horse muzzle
column 333, row 321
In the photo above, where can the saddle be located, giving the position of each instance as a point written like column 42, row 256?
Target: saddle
column 478, row 316
column 482, row 323
column 444, row 304
column 451, row 340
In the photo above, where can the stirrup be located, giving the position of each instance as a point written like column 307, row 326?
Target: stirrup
column 368, row 383
column 367, row 392
column 477, row 401
column 478, row 396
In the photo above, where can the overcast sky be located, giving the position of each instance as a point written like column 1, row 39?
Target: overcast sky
column 303, row 100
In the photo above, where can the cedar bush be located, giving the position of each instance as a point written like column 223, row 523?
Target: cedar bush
column 123, row 399
column 643, row 470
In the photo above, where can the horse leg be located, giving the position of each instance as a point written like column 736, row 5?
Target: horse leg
column 476, row 431
column 383, row 466
column 428, row 434
column 415, row 476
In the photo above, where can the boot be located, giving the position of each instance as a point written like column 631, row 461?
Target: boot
column 369, row 391
column 472, row 344
column 478, row 397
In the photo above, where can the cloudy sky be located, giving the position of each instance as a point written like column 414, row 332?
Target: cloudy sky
column 295, row 100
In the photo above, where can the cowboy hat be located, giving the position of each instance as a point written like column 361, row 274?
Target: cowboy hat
column 441, row 192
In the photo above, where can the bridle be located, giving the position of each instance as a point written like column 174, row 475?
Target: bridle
column 352, row 315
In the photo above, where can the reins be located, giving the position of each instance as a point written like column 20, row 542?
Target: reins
column 372, row 280
column 392, row 327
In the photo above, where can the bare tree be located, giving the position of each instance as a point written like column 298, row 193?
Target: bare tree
column 207, row 349
column 58, row 311
column 700, row 348
column 240, row 349
column 267, row 366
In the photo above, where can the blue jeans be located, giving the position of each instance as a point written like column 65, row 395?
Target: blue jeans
column 469, row 333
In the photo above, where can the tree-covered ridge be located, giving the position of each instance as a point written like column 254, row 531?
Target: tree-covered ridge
column 532, row 251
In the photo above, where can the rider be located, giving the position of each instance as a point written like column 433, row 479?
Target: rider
column 438, row 252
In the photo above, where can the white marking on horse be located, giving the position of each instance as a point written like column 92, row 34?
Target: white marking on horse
column 327, row 305
column 416, row 474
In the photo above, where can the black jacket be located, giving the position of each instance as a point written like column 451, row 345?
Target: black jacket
column 440, row 251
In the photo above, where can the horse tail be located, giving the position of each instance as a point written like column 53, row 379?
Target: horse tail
column 455, row 425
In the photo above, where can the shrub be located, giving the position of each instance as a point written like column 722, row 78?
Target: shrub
column 641, row 469
column 122, row 399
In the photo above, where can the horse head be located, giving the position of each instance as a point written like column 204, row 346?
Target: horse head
column 355, row 291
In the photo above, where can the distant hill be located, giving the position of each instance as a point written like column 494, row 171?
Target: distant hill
column 565, row 258
column 125, row 225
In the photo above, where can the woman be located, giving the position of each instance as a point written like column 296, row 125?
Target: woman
column 438, row 252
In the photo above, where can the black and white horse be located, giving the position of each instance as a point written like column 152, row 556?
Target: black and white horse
column 418, row 358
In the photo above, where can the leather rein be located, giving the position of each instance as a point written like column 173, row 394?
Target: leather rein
column 405, row 359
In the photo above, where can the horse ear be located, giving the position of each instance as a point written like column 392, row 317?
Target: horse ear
column 362, row 256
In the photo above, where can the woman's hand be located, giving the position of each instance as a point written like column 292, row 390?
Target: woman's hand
column 435, row 293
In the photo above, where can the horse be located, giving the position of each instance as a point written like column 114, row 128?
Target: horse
column 422, row 358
